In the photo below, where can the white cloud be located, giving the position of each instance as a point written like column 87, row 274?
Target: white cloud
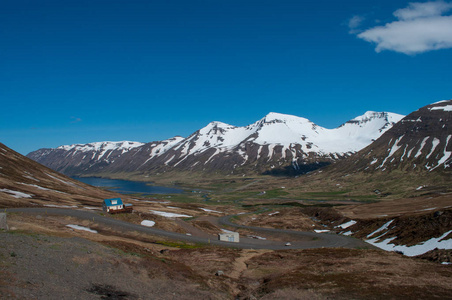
column 354, row 23
column 420, row 10
column 421, row 27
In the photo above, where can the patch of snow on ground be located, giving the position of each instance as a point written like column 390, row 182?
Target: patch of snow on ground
column 31, row 177
column 256, row 237
column 168, row 215
column 41, row 188
column 64, row 181
column 16, row 194
column 446, row 155
column 348, row 224
column 384, row 227
column 416, row 249
column 153, row 201
column 273, row 213
column 419, row 152
column 445, row 108
column 61, row 206
column 217, row 151
column 426, row 209
column 420, row 187
column 435, row 143
column 210, row 210
column 81, row 228
column 148, row 223
column 321, row 230
column 395, row 147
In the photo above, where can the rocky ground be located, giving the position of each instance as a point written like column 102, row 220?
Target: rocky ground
column 38, row 266
column 41, row 258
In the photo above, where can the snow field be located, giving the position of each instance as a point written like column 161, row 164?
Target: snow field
column 419, row 249
column 414, row 250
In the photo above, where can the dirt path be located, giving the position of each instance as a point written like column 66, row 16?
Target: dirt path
column 239, row 264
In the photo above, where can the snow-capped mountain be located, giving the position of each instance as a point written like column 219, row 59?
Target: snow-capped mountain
column 72, row 158
column 275, row 142
column 102, row 147
column 422, row 141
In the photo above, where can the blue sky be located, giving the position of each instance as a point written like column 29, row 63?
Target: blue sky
column 86, row 71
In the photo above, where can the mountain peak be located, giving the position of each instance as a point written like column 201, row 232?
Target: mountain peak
column 283, row 118
column 215, row 127
column 218, row 124
column 371, row 115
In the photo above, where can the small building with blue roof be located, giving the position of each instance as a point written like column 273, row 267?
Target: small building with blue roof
column 112, row 204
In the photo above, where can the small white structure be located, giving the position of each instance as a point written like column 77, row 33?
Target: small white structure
column 229, row 237
column 112, row 204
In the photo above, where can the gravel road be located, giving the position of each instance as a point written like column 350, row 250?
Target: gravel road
column 298, row 239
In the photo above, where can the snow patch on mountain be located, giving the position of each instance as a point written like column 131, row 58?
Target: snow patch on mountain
column 287, row 131
column 440, row 106
column 445, row 108
column 102, row 146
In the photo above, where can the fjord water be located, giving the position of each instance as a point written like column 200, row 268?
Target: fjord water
column 127, row 186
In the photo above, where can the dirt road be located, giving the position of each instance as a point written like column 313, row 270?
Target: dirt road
column 301, row 240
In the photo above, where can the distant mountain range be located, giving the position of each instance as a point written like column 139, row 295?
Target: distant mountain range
column 276, row 144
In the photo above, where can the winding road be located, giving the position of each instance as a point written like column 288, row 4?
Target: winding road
column 298, row 239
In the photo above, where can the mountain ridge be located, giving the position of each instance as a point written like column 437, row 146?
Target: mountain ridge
column 274, row 142
column 421, row 141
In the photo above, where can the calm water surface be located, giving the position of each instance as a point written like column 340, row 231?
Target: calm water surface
column 127, row 186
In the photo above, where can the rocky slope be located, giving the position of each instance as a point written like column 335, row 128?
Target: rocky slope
column 421, row 142
column 276, row 143
column 24, row 182
column 413, row 161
